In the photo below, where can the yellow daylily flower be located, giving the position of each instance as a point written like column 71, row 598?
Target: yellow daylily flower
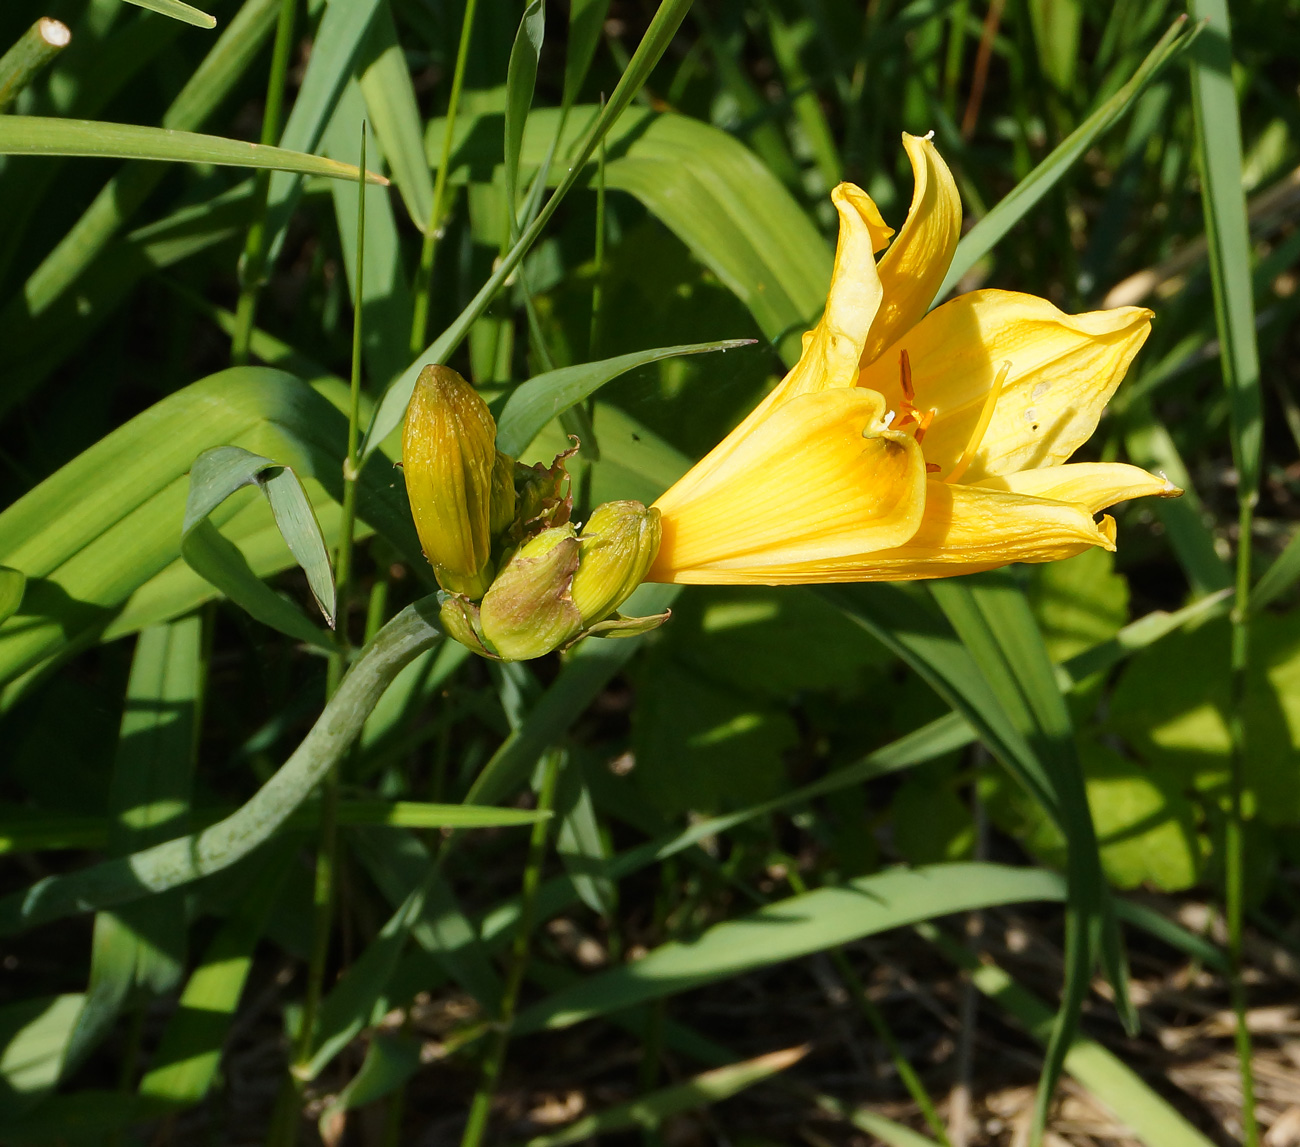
column 912, row 445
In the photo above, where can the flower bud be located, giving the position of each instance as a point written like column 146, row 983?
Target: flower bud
column 449, row 457
column 528, row 612
column 618, row 545
column 502, row 509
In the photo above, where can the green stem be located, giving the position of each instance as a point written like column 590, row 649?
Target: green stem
column 424, row 277
column 188, row 858
column 326, row 852
column 31, row 52
column 600, row 251
column 252, row 263
column 482, row 1105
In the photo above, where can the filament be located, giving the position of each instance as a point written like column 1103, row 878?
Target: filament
column 981, row 427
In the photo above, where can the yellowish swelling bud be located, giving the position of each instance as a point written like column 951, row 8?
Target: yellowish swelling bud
column 449, row 457
column 618, row 545
column 528, row 611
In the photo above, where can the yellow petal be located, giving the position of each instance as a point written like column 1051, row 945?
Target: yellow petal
column 914, row 266
column 966, row 529
column 820, row 481
column 1064, row 368
column 1095, row 485
column 831, row 350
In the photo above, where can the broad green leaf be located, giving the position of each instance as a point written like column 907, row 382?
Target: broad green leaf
column 1078, row 603
column 649, row 1111
column 177, row 10
column 42, row 135
column 34, row 1033
column 791, row 928
column 188, row 858
column 1171, row 705
column 13, row 584
column 100, row 528
column 390, row 101
column 534, row 403
column 215, row 476
column 985, row 235
column 1056, row 33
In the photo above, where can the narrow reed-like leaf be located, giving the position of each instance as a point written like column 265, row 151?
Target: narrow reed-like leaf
column 1278, row 578
column 534, row 403
column 649, row 1111
column 791, row 928
column 42, row 135
column 178, row 10
column 521, row 79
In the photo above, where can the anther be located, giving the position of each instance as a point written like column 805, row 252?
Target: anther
column 905, row 377
column 923, row 424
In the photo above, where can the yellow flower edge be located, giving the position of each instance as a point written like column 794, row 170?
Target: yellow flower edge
column 906, row 444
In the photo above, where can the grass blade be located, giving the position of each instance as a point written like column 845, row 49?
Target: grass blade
column 534, row 403
column 42, row 135
column 986, row 234
column 177, row 10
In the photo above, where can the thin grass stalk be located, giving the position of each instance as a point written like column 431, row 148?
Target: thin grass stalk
column 1218, row 133
column 252, row 264
column 31, row 53
column 599, row 271
column 324, row 888
column 481, row 1107
column 424, row 276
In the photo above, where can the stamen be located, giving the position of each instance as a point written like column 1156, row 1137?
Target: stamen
column 888, row 419
column 905, row 377
column 923, row 424
column 932, row 467
column 981, row 427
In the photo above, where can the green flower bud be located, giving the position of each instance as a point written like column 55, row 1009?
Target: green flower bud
column 528, row 612
column 618, row 545
column 449, row 457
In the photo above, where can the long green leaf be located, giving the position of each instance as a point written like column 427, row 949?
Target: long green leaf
column 791, row 928
column 178, row 10
column 41, row 135
column 534, row 403
column 649, row 1111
